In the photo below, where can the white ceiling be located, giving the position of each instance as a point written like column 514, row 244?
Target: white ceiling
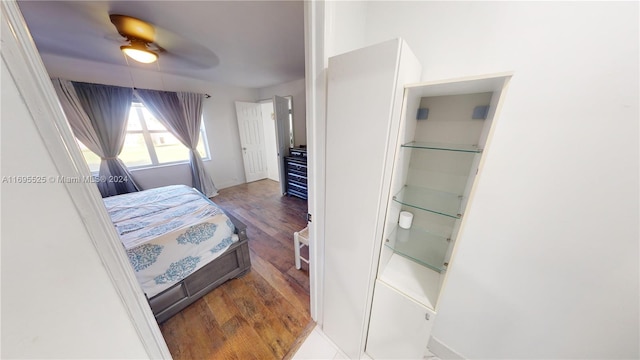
column 250, row 44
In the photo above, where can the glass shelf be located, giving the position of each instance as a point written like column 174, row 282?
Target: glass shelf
column 420, row 246
column 441, row 146
column 438, row 202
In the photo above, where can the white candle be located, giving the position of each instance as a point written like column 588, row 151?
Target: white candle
column 405, row 219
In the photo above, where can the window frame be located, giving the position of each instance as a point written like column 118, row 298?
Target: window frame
column 148, row 140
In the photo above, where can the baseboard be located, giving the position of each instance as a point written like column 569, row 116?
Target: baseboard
column 442, row 351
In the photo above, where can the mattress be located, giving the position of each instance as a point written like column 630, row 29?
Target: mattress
column 169, row 233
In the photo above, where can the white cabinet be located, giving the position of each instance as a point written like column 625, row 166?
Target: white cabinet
column 398, row 326
column 381, row 160
column 364, row 99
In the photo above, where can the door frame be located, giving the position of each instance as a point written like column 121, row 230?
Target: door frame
column 25, row 65
column 315, row 88
column 24, row 62
column 282, row 148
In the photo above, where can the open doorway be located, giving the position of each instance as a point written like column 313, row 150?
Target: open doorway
column 128, row 294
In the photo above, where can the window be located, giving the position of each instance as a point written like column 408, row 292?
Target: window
column 148, row 143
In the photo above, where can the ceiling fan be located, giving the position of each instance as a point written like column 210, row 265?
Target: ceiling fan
column 141, row 36
column 145, row 42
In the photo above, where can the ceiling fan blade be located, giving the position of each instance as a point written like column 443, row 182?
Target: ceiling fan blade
column 170, row 59
column 183, row 52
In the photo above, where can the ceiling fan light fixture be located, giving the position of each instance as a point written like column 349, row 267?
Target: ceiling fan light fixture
column 138, row 51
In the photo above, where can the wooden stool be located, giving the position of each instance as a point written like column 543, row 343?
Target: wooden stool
column 300, row 239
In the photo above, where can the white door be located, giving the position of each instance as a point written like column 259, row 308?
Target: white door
column 268, row 121
column 252, row 140
column 283, row 133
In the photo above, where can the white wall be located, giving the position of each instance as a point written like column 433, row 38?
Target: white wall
column 547, row 262
column 345, row 26
column 57, row 299
column 297, row 90
column 225, row 167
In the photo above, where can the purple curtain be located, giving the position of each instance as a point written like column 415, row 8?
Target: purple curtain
column 181, row 114
column 98, row 115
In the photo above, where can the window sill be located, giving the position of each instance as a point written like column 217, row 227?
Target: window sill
column 134, row 169
column 160, row 166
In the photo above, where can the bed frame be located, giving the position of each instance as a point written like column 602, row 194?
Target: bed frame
column 233, row 263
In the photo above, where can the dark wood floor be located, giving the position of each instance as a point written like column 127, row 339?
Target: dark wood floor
column 264, row 314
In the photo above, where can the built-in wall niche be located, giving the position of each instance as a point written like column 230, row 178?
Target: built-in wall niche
column 443, row 134
column 435, row 167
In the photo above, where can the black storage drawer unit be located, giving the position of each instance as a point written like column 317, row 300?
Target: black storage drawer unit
column 296, row 168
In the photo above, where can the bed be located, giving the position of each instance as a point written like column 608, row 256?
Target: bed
column 180, row 244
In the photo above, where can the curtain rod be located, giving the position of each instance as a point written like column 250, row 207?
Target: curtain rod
column 207, row 96
column 134, row 88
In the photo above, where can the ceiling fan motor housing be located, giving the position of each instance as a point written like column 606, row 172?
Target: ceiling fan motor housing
column 133, row 28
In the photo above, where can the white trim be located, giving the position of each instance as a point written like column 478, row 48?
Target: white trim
column 26, row 67
column 442, row 351
column 315, row 85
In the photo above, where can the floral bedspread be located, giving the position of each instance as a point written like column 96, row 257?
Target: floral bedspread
column 169, row 233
